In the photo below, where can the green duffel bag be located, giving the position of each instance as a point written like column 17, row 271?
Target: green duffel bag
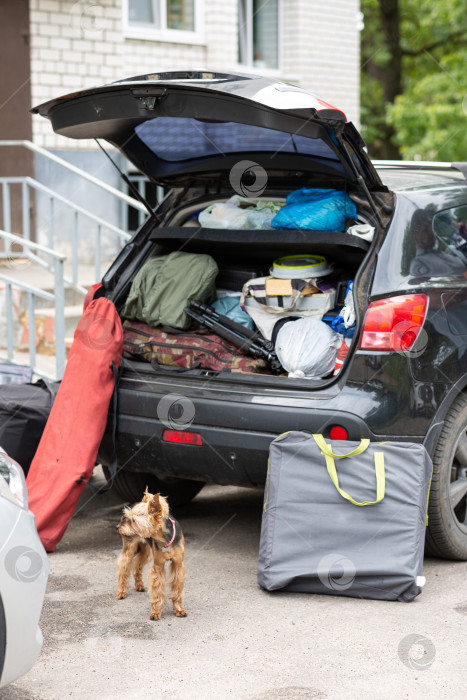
column 166, row 284
column 344, row 518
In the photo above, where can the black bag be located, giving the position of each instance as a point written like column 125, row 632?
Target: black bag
column 233, row 277
column 24, row 410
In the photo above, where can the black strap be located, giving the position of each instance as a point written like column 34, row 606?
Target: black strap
column 171, row 368
column 112, row 466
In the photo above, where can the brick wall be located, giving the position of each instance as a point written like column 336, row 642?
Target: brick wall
column 75, row 45
column 322, row 47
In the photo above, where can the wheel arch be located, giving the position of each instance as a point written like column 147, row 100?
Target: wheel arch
column 431, row 437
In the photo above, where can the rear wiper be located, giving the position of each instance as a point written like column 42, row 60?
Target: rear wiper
column 134, row 190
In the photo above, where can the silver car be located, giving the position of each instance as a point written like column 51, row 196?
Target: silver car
column 24, row 568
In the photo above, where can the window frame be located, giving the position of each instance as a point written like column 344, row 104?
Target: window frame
column 148, row 32
column 249, row 37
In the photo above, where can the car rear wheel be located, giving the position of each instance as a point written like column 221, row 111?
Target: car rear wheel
column 130, row 486
column 447, row 509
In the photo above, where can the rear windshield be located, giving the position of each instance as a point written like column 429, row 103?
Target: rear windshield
column 184, row 139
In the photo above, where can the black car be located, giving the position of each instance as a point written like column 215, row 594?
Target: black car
column 405, row 375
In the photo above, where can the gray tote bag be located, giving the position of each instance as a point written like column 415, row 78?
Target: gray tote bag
column 344, row 518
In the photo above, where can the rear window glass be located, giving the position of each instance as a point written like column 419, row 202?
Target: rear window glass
column 185, row 139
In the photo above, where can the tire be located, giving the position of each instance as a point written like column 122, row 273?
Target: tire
column 447, row 509
column 130, row 486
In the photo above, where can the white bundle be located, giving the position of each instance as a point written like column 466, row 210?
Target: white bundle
column 307, row 348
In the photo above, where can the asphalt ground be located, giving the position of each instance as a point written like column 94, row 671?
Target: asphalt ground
column 238, row 641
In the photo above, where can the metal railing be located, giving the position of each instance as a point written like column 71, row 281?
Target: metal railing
column 28, row 183
column 57, row 299
column 13, row 246
column 140, row 182
column 77, row 171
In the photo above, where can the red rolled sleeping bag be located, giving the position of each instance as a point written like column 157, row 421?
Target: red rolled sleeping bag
column 67, row 452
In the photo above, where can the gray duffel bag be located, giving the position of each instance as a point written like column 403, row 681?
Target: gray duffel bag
column 344, row 518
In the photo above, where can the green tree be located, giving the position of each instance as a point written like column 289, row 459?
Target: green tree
column 414, row 92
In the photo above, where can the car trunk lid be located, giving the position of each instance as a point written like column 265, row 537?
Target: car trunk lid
column 182, row 127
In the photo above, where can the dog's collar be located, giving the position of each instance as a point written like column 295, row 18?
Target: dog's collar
column 174, row 532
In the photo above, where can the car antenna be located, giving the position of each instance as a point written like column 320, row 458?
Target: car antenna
column 131, row 186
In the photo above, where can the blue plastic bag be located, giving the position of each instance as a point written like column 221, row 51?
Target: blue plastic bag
column 230, row 307
column 317, row 209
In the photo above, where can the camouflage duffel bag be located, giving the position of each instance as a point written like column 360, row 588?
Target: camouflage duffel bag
column 187, row 350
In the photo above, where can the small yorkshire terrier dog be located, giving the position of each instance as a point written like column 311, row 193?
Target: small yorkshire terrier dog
column 147, row 526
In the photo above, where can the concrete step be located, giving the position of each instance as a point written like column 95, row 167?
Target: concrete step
column 72, row 316
column 25, row 272
column 72, row 298
column 45, row 363
column 31, row 274
column 42, row 279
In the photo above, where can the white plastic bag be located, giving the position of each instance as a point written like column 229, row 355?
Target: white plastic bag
column 307, row 348
column 227, row 215
column 239, row 213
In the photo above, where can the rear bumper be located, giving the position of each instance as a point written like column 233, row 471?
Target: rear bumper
column 236, row 424
column 227, row 456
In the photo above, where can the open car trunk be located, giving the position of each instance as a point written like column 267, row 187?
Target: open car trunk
column 206, row 135
column 242, row 255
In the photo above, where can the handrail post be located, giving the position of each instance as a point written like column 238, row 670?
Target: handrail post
column 9, row 321
column 74, row 249
column 6, row 212
column 60, row 351
column 32, row 330
column 51, row 229
column 98, row 252
column 141, row 214
column 25, row 211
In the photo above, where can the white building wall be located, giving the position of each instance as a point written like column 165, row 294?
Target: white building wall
column 329, row 51
column 75, row 45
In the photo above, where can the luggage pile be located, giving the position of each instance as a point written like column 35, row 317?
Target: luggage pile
column 294, row 317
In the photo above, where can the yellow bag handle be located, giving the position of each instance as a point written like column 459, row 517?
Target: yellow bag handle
column 331, row 467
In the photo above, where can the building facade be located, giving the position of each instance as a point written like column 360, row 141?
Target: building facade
column 54, row 47
column 76, row 45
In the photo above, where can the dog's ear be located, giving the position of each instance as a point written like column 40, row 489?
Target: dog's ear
column 146, row 496
column 154, row 505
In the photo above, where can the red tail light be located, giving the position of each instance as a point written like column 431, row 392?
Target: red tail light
column 337, row 432
column 393, row 323
column 182, row 437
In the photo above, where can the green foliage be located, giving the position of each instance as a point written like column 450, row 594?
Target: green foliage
column 428, row 120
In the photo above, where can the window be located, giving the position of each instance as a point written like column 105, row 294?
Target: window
column 440, row 243
column 184, row 138
column 450, row 229
column 164, row 20
column 259, row 33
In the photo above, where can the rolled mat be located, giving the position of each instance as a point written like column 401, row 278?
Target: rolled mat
column 67, row 452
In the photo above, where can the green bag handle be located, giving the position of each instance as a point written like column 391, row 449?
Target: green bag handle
column 331, row 467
